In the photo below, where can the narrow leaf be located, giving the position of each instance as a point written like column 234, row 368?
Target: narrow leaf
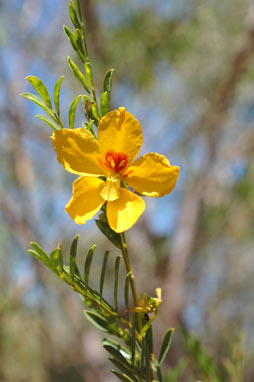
column 41, row 89
column 79, row 44
column 126, row 294
column 77, row 73
column 116, row 354
column 104, row 104
column 108, row 81
column 122, row 377
column 73, row 254
column 77, row 3
column 149, row 339
column 117, row 263
column 40, row 103
column 57, row 259
column 48, row 264
column 89, row 74
column 108, row 232
column 167, row 340
column 94, row 112
column 142, row 357
column 57, row 94
column 147, row 364
column 73, row 15
column 124, row 369
column 42, row 256
column 49, row 121
column 72, row 111
column 123, row 351
column 104, row 266
column 97, row 320
column 88, row 263
column 133, row 339
column 70, row 36
column 108, row 324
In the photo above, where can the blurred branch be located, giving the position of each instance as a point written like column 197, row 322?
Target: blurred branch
column 211, row 120
column 93, row 27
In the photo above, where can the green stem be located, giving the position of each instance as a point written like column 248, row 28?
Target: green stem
column 133, row 288
column 88, row 60
column 129, row 270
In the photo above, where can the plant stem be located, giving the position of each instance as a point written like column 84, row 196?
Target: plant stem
column 129, row 270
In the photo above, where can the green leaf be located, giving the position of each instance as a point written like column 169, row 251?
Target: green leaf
column 49, row 121
column 74, row 40
column 73, row 254
column 149, row 339
column 89, row 74
column 77, row 73
column 147, row 364
column 97, row 320
column 122, row 377
column 123, row 351
column 73, row 15
column 57, row 259
column 133, row 338
column 79, row 44
column 126, row 295
column 70, row 36
column 117, row 355
column 142, row 357
column 41, row 89
column 108, row 232
column 104, row 104
column 88, row 263
column 94, row 112
column 77, row 3
column 72, row 111
column 40, row 103
column 108, row 81
column 104, row 266
column 167, row 340
column 117, row 263
column 106, row 324
column 124, row 369
column 57, row 94
column 42, row 256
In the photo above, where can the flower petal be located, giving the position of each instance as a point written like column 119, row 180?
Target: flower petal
column 152, row 175
column 110, row 190
column 77, row 150
column 121, row 132
column 86, row 200
column 123, row 213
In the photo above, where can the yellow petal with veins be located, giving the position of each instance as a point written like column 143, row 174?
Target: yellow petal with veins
column 110, row 191
column 152, row 175
column 123, row 213
column 77, row 150
column 86, row 200
column 120, row 131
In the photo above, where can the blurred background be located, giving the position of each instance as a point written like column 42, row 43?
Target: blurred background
column 185, row 69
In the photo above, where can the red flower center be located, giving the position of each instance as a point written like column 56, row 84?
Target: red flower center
column 116, row 162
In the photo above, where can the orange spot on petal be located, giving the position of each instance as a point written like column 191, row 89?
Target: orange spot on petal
column 116, row 162
column 128, row 173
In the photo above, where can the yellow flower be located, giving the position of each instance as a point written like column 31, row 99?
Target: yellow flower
column 111, row 157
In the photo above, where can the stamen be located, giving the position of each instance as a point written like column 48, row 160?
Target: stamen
column 116, row 162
